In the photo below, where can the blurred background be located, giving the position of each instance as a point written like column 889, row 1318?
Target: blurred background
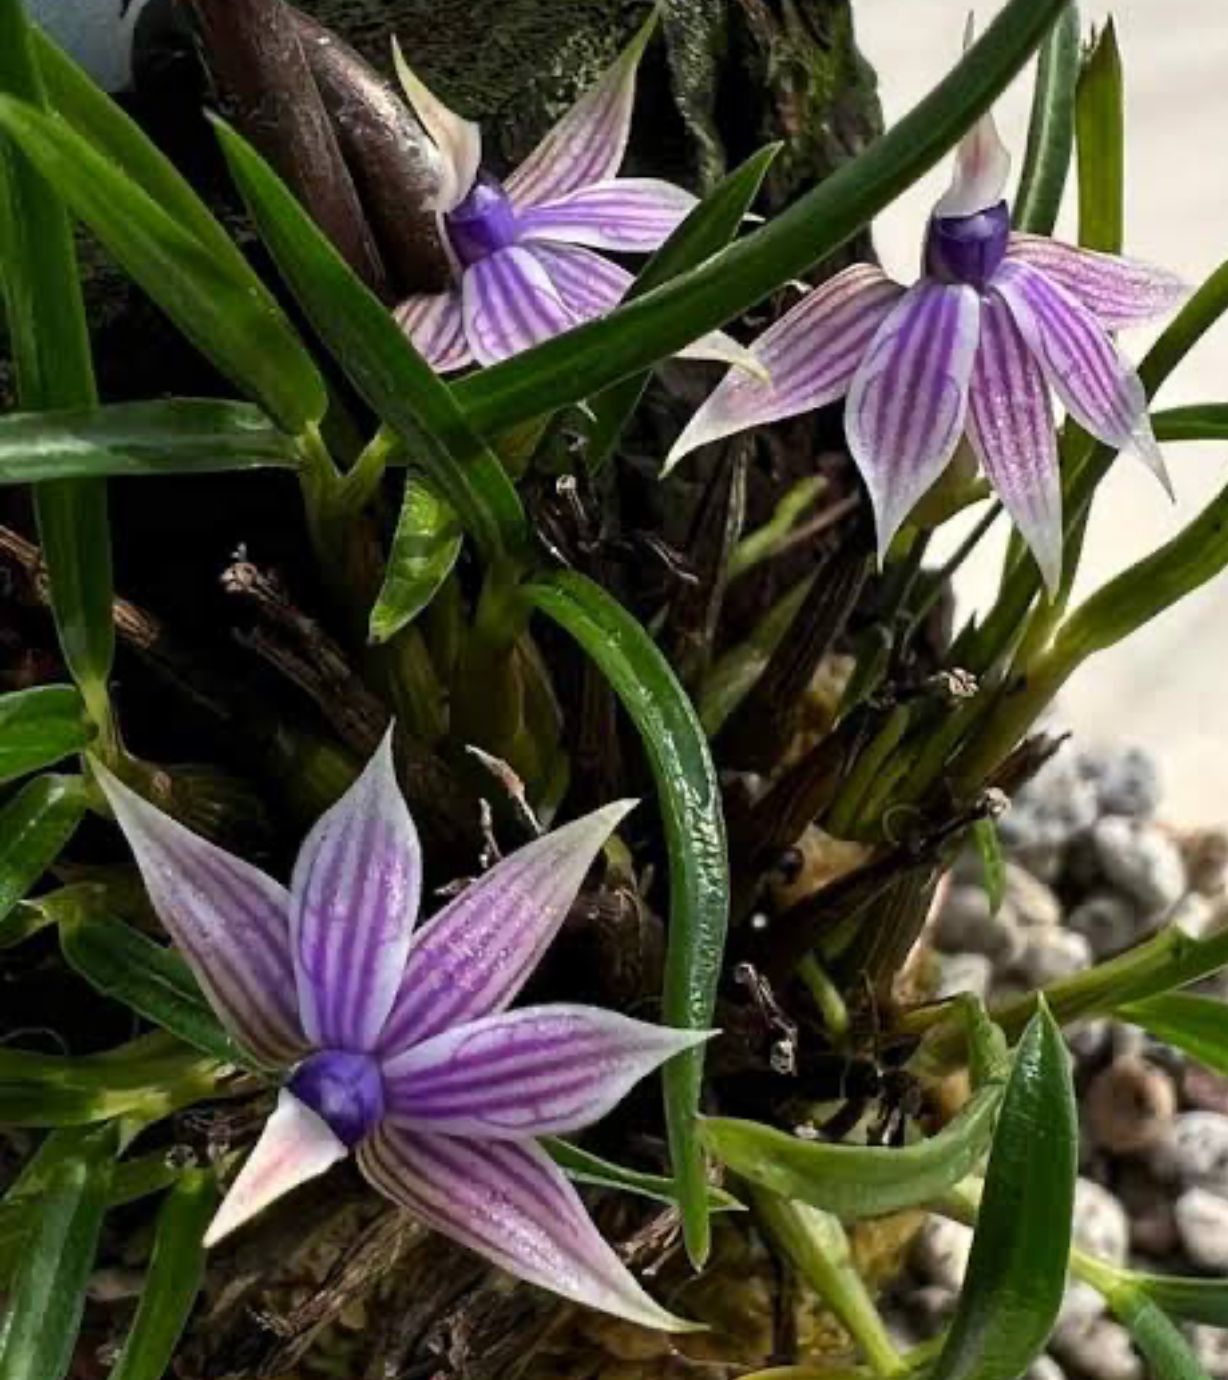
column 1166, row 689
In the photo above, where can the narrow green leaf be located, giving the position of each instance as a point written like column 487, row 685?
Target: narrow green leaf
column 176, row 1269
column 21, row 1206
column 148, row 978
column 424, row 550
column 1050, row 128
column 47, row 1296
column 1185, row 563
column 637, row 335
column 706, row 230
column 856, row 1181
column 1100, row 140
column 34, row 826
column 1197, row 1025
column 144, row 1175
column 690, row 802
column 40, row 727
column 773, row 536
column 51, row 354
column 1198, row 1300
column 378, row 358
column 583, row 1167
column 1195, row 422
column 176, row 436
column 735, row 671
column 239, row 328
column 1017, row 1269
column 149, row 1077
column 818, row 1247
column 103, row 122
column 993, row 866
column 1168, row 1353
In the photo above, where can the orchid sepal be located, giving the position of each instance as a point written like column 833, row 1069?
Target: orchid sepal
column 399, row 1044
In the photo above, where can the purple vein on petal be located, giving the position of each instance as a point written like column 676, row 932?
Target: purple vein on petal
column 473, row 958
column 354, row 900
column 628, row 214
column 1010, row 424
column 510, row 1203
column 530, row 1072
column 588, row 143
column 810, row 355
column 510, row 304
column 590, row 285
column 908, row 398
column 1119, row 292
column 228, row 919
column 436, row 326
column 1098, row 386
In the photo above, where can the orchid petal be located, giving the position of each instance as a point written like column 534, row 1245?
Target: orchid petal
column 458, row 140
column 295, row 1145
column 1010, row 424
column 810, row 355
column 590, row 285
column 354, row 899
column 435, row 324
column 510, row 1203
column 1119, row 292
column 535, row 1071
column 510, row 304
column 1098, row 386
column 908, row 398
column 982, row 166
column 473, row 958
column 588, row 143
column 228, row 919
column 982, row 163
column 628, row 214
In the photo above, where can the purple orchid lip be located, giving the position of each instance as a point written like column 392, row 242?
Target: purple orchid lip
column 344, row 1089
column 968, row 249
column 483, row 222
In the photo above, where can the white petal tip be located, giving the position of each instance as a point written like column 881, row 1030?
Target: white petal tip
column 1143, row 443
column 296, row 1145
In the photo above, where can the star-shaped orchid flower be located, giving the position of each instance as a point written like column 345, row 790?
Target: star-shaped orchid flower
column 997, row 320
column 398, row 1043
column 522, row 250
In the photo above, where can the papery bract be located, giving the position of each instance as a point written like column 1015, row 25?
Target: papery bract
column 997, row 320
column 522, row 250
column 400, row 1046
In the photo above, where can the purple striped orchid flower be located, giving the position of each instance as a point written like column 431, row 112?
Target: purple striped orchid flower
column 397, row 1043
column 997, row 320
column 522, row 250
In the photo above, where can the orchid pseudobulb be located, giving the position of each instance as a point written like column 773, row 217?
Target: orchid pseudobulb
column 997, row 320
column 396, row 1043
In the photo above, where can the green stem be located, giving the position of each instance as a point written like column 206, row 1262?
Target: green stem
column 1015, row 711
column 846, row 816
column 818, row 1247
column 359, row 483
column 827, row 997
column 1169, row 960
